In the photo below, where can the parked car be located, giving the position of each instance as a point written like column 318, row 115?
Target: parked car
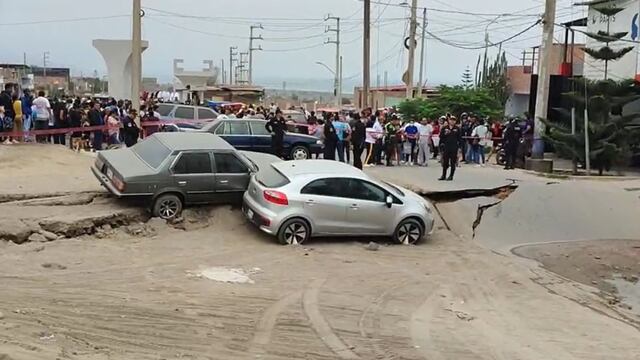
column 296, row 121
column 297, row 200
column 171, row 170
column 187, row 116
column 251, row 135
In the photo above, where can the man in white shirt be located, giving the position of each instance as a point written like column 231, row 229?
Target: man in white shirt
column 42, row 116
column 425, row 130
column 378, row 132
column 481, row 133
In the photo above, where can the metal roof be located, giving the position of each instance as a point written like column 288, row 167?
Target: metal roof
column 192, row 141
column 329, row 167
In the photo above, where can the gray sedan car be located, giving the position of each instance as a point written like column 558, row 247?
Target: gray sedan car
column 297, row 200
column 171, row 170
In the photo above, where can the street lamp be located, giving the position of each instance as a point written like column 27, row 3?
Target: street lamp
column 335, row 82
column 326, row 67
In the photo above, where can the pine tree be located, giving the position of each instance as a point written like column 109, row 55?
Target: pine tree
column 467, row 79
column 608, row 128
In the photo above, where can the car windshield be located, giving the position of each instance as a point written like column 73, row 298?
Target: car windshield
column 394, row 188
column 151, row 151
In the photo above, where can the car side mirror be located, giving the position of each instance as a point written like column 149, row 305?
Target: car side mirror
column 389, row 201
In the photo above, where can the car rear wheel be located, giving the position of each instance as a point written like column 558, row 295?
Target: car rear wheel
column 294, row 232
column 408, row 232
column 300, row 152
column 167, row 207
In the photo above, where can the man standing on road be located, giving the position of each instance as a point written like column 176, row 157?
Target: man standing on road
column 450, row 140
column 391, row 130
column 42, row 115
column 425, row 130
column 96, row 119
column 276, row 126
column 358, row 136
column 342, row 131
column 27, row 113
column 330, row 140
column 411, row 131
column 512, row 134
column 378, row 130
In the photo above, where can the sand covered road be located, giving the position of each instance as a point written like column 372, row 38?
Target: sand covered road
column 139, row 297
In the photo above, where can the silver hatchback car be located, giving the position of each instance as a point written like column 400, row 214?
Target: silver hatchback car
column 297, row 200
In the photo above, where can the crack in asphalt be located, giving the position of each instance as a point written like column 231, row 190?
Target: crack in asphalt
column 501, row 193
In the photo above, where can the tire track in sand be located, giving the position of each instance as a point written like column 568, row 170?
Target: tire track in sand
column 320, row 324
column 267, row 323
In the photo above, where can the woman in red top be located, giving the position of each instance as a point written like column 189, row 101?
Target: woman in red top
column 435, row 142
column 496, row 132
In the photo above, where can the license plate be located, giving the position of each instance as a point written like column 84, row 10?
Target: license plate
column 109, row 173
column 249, row 214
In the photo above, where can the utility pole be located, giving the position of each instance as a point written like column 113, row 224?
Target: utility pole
column 424, row 32
column 224, row 75
column 136, row 55
column 45, row 62
column 338, row 80
column 252, row 49
column 242, row 68
column 542, row 97
column 366, row 56
column 232, row 59
column 412, row 48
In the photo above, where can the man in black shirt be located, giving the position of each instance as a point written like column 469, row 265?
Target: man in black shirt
column 330, row 140
column 512, row 135
column 450, row 139
column 358, row 135
column 277, row 126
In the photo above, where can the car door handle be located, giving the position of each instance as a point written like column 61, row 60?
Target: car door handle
column 310, row 202
column 223, row 181
column 354, row 206
column 182, row 183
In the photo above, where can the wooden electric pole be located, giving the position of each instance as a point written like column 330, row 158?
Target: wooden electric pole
column 366, row 63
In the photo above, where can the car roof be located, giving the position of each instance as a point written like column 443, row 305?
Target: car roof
column 330, row 168
column 192, row 141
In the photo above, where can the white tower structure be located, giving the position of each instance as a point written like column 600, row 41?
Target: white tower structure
column 117, row 56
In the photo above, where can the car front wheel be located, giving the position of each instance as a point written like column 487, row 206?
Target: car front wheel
column 408, row 232
column 294, row 232
column 300, row 152
column 167, row 207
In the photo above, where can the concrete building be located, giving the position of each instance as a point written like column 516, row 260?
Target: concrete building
column 566, row 60
column 53, row 81
column 198, row 81
column 117, row 56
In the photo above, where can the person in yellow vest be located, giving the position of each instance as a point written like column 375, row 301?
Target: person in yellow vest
column 17, row 122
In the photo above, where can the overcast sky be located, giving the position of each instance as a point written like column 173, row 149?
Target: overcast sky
column 196, row 30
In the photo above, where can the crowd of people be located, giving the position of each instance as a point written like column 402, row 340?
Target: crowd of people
column 387, row 138
column 22, row 113
column 383, row 137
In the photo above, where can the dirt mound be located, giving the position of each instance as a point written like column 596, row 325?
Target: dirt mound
column 33, row 169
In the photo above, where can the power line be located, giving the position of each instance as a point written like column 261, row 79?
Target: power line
column 459, row 11
column 484, row 46
column 65, row 20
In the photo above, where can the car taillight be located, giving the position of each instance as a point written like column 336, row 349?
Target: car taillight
column 276, row 197
column 117, row 183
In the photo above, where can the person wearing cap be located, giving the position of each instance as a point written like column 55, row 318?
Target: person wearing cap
column 450, row 139
column 130, row 129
